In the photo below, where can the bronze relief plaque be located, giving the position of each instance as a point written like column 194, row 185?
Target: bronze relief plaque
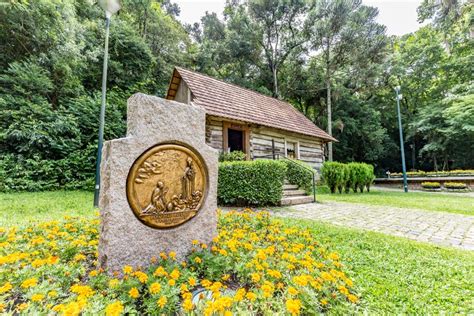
column 167, row 185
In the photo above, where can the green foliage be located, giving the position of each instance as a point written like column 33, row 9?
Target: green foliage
column 333, row 174
column 354, row 175
column 430, row 185
column 258, row 182
column 232, row 156
column 455, row 185
column 51, row 65
column 301, row 174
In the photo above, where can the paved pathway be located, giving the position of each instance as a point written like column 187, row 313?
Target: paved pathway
column 439, row 228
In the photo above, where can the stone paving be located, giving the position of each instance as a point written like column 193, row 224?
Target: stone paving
column 445, row 229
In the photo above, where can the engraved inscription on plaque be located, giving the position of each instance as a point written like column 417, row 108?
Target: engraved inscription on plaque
column 167, row 185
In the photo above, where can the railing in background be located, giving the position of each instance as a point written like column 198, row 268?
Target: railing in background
column 276, row 156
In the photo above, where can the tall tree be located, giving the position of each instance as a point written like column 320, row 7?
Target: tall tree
column 277, row 28
column 343, row 31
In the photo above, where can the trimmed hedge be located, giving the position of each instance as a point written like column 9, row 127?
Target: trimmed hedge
column 246, row 183
column 302, row 177
column 354, row 175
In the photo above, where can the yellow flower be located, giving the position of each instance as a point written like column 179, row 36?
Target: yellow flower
column 93, row 273
column 52, row 293
column 239, row 295
column 6, row 287
column 352, row 298
column 324, row 302
column 192, row 281
column 29, row 283
column 195, row 242
column 155, row 288
column 251, row 296
column 142, row 277
column 188, row 305
column 197, row 260
column 114, row 309
column 163, row 256
column 22, row 306
column 172, row 282
column 162, row 301
column 255, row 277
column 292, row 291
column 293, row 306
column 175, row 274
column 225, row 277
column 127, row 269
column 172, row 255
column 82, row 290
column 267, row 289
column 79, row 257
column 37, row 297
column 160, row 271
column 2, row 307
column 133, row 292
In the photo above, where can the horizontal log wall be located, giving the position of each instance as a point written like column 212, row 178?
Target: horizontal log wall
column 214, row 136
column 309, row 149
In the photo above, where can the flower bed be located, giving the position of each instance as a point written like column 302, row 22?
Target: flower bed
column 256, row 265
column 451, row 173
column 455, row 186
column 431, row 185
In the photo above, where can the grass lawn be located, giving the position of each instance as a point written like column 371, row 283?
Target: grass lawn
column 399, row 276
column 22, row 208
column 420, row 200
column 392, row 275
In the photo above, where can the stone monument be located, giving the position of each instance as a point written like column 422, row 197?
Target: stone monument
column 158, row 184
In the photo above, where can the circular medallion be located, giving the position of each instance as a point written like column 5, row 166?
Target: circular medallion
column 167, row 185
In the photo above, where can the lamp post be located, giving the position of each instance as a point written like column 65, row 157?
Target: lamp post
column 110, row 7
column 404, row 168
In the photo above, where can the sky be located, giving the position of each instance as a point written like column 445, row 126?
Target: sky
column 398, row 15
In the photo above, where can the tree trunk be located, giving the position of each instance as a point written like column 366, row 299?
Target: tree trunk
column 328, row 102
column 275, row 82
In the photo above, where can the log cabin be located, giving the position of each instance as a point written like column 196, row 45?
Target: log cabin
column 245, row 120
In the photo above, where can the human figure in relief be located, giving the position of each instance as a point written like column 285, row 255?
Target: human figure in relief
column 158, row 200
column 187, row 181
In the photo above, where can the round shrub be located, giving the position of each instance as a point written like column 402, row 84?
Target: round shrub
column 51, row 268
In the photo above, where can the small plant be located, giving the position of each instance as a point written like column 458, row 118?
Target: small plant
column 431, row 185
column 455, row 185
column 368, row 176
column 333, row 174
column 232, row 156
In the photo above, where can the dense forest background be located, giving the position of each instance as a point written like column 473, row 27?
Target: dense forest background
column 310, row 53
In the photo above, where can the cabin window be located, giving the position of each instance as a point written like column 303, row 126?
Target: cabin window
column 236, row 137
column 292, row 150
column 235, row 140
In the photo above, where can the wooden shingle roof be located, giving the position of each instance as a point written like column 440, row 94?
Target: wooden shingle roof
column 229, row 101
